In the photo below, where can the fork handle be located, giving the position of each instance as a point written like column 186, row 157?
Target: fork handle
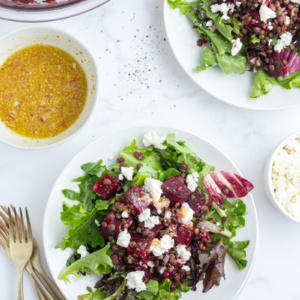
column 20, row 282
column 52, row 285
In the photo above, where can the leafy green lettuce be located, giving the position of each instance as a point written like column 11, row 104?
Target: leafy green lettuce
column 262, row 84
column 84, row 230
column 151, row 166
column 99, row 262
column 93, row 171
column 231, row 218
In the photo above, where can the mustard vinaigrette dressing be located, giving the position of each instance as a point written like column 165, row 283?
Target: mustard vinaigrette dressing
column 43, row 91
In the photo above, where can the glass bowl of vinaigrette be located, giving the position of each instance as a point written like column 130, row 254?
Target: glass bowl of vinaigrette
column 45, row 10
column 48, row 87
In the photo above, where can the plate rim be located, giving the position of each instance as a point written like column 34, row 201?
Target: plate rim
column 166, row 6
column 146, row 125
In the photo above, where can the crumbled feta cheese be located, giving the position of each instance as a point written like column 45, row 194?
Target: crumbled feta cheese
column 151, row 222
column 161, row 203
column 152, row 138
column 236, row 47
column 159, row 247
column 135, row 281
column 223, row 8
column 182, row 252
column 153, row 187
column 238, row 4
column 97, row 222
column 121, row 177
column 270, row 27
column 186, row 268
column 82, row 251
column 192, row 180
column 266, row 13
column 127, row 172
column 124, row 238
column 162, row 270
column 185, row 214
column 286, row 178
column 284, row 40
column 125, row 214
column 209, row 23
column 145, row 215
column 287, row 21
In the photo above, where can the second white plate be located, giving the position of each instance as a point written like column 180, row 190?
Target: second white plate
column 233, row 89
column 112, row 144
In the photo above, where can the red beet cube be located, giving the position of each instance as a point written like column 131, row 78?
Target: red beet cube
column 197, row 202
column 175, row 189
column 106, row 186
column 185, row 234
column 138, row 199
column 139, row 248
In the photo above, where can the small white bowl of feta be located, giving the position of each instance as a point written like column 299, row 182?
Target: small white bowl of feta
column 283, row 177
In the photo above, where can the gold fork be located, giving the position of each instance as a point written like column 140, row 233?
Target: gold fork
column 33, row 264
column 20, row 248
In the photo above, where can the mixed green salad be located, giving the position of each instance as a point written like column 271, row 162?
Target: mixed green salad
column 262, row 36
column 154, row 224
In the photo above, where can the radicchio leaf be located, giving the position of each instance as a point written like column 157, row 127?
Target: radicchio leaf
column 281, row 70
column 221, row 184
column 214, row 269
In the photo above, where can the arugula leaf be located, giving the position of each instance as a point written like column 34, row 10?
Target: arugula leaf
column 99, row 262
column 84, row 231
column 209, row 60
column 150, row 292
column 233, row 214
column 288, row 81
column 85, row 195
column 262, row 84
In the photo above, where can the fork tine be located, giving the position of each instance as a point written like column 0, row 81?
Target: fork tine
column 29, row 231
column 18, row 236
column 3, row 237
column 23, row 227
column 4, row 227
column 11, row 228
column 5, row 219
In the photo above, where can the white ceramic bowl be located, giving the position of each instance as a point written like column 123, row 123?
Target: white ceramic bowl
column 44, row 12
column 24, row 37
column 268, row 176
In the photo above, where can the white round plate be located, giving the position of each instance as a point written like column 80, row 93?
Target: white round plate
column 112, row 144
column 233, row 89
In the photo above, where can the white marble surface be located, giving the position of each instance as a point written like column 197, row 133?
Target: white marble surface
column 142, row 82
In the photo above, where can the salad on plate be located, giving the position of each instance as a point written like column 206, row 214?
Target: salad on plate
column 153, row 224
column 261, row 36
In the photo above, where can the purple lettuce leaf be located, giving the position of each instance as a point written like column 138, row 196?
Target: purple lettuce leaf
column 214, row 269
column 221, row 184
